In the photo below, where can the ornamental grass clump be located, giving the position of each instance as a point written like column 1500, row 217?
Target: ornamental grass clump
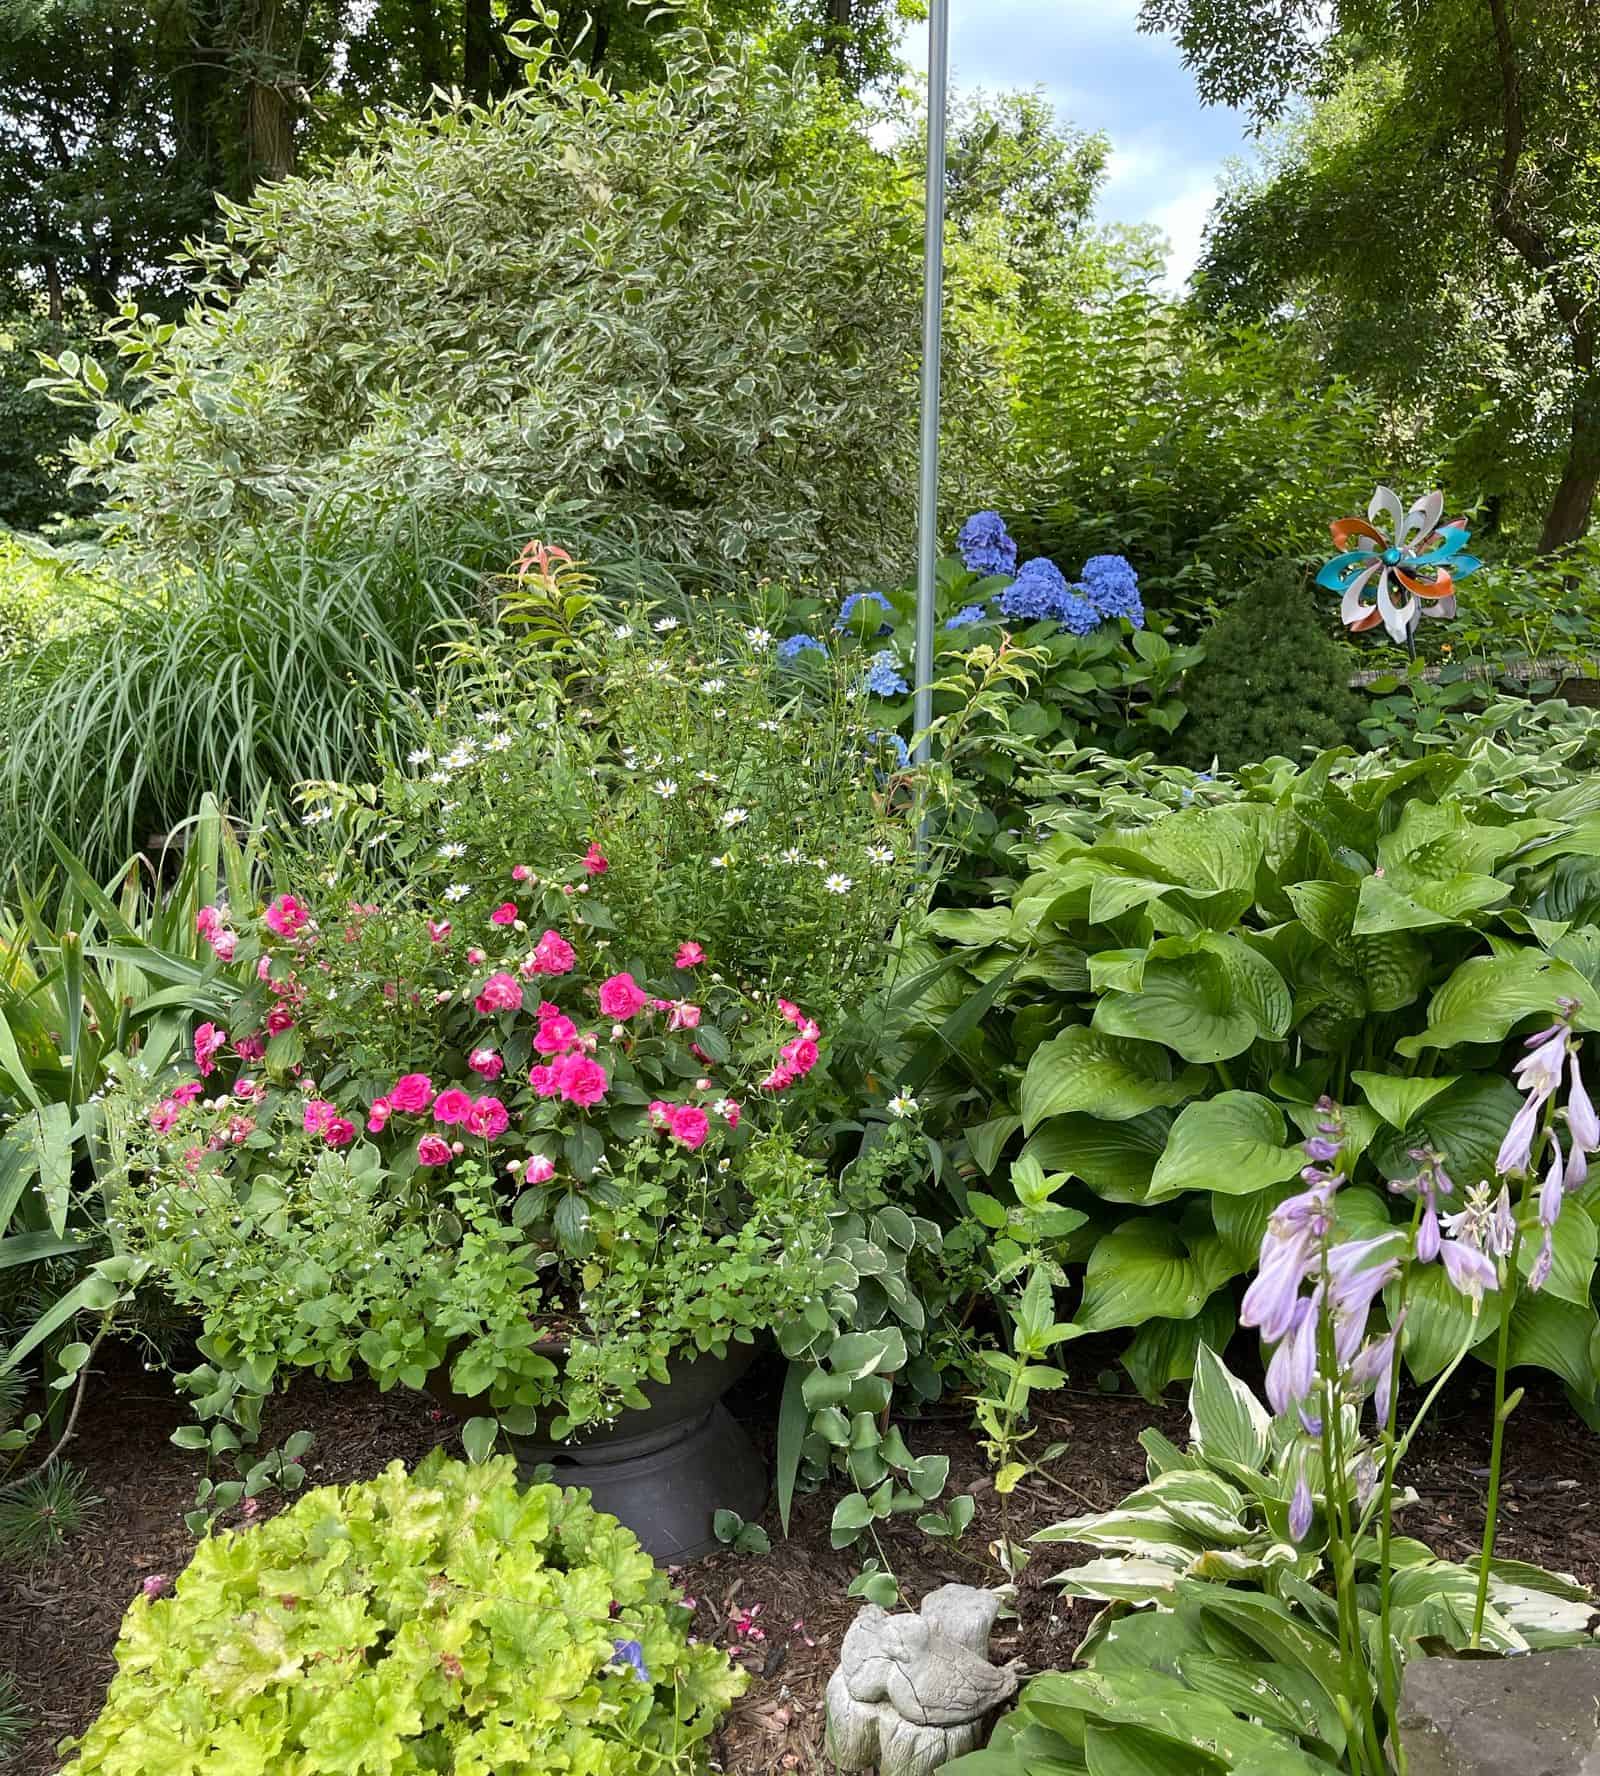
column 442, row 1620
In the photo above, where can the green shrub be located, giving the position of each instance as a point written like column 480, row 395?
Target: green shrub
column 442, row 1620
column 1167, row 1002
column 42, row 594
column 1273, row 682
column 692, row 304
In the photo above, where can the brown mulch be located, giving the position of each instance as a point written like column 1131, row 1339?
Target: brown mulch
column 59, row 1620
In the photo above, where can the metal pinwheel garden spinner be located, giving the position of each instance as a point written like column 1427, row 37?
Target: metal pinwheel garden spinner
column 1387, row 577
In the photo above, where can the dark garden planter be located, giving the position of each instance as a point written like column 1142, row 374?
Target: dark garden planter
column 664, row 1471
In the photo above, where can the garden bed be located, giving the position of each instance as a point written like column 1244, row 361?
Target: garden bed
column 58, row 1622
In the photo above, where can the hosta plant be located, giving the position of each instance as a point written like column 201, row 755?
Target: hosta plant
column 1224, row 1641
column 1166, row 1001
column 446, row 1619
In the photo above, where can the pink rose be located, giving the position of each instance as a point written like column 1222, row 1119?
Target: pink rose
column 552, row 954
column 487, row 1117
column 521, row 873
column 538, row 1170
column 580, row 1080
column 339, row 1132
column 411, row 1092
column 731, row 1112
column 500, row 992
column 287, row 916
column 432, row 1151
column 208, row 1039
column 555, row 1035
column 207, row 920
column 163, row 1115
column 790, row 1011
column 378, row 1116
column 317, row 1114
column 660, row 1114
column 504, row 914
column 593, row 861
column 801, row 1054
column 689, row 955
column 486, row 1062
column 438, row 930
column 684, row 1016
column 779, row 1079
column 279, row 1019
column 187, row 1092
column 621, row 996
column 474, row 957
column 689, row 1125
column 543, row 1081
column 452, row 1105
column 249, row 1048
column 223, row 944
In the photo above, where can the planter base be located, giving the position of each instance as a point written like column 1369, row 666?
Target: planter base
column 668, row 1492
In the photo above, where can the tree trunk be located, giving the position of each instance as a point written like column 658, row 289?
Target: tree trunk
column 433, row 61
column 477, row 48
column 1573, row 505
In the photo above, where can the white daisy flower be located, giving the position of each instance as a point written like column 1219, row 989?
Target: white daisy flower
column 794, row 855
column 458, row 758
column 317, row 816
column 500, row 743
column 457, row 891
column 759, row 639
column 658, row 668
column 438, row 776
column 665, row 625
column 725, row 861
column 488, row 716
column 713, row 685
column 419, row 757
column 452, row 852
column 623, row 631
column 838, row 884
column 902, row 1106
column 735, row 817
column 881, row 853
column 665, row 788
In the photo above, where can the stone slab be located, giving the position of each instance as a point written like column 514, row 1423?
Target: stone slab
column 1534, row 1715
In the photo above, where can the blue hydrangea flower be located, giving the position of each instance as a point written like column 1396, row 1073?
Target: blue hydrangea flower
column 902, row 752
column 793, row 646
column 883, row 676
column 967, row 616
column 850, row 605
column 1113, row 588
column 986, row 546
column 1036, row 593
column 1078, row 616
column 630, row 1652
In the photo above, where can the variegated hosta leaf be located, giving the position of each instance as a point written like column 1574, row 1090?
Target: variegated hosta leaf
column 1536, row 1614
column 1150, row 1533
column 1120, row 1580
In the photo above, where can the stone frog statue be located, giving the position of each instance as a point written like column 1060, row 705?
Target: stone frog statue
column 912, row 1692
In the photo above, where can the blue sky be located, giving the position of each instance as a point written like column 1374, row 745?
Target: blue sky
column 1102, row 74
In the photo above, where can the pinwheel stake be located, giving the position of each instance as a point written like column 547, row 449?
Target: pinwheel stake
column 1395, row 578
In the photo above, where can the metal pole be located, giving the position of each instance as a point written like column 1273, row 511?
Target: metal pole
column 932, row 333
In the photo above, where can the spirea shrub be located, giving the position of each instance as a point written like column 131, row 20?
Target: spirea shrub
column 693, row 304
column 443, row 1620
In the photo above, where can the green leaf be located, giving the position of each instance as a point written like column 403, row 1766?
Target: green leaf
column 1488, row 996
column 1145, row 1270
column 1164, row 1351
column 1231, row 1144
column 1550, row 1334
column 1229, row 1426
column 1084, row 1069
column 478, row 1438
column 1209, row 1004
column 1438, row 1320
column 1466, row 1124
column 1397, row 1099
column 1572, row 1242
column 793, row 1422
column 1115, row 1159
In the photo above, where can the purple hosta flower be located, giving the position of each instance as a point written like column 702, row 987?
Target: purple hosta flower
column 1543, row 1264
column 1470, row 1271
column 1552, row 1192
column 1300, row 1509
column 1538, row 1075
column 1581, row 1119
column 1430, row 1183
column 1355, row 1282
column 1503, row 1226
column 1292, row 1373
column 1374, row 1368
column 1288, row 1251
column 1516, row 1150
column 631, row 1653
column 986, row 545
column 1321, row 1149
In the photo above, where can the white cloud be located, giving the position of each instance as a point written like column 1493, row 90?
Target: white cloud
column 1183, row 220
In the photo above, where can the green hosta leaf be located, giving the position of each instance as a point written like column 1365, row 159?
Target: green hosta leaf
column 1277, row 1695
column 1115, row 1159
column 1375, row 971
column 1227, row 1423
column 1397, row 1099
column 1547, row 1333
column 1145, row 1270
column 1208, row 1004
column 1136, row 1751
column 1488, row 996
column 1231, row 1144
column 1241, row 1221
column 1084, row 1069
column 1573, row 1252
column 1410, row 904
column 1466, row 1124
column 1164, row 1351
column 1438, row 1320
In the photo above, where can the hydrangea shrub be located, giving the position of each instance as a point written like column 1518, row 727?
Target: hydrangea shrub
column 442, row 1620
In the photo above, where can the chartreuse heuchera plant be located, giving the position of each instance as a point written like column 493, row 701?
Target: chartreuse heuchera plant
column 443, row 1620
column 1259, row 1606
column 1169, row 993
